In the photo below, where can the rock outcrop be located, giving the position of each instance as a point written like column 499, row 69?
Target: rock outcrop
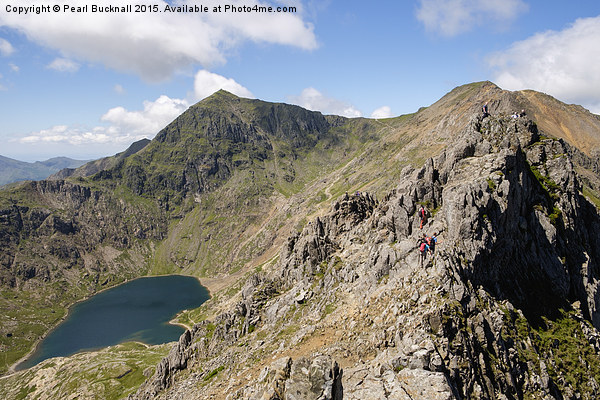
column 505, row 309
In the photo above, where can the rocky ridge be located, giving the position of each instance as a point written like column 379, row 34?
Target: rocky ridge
column 506, row 309
column 223, row 187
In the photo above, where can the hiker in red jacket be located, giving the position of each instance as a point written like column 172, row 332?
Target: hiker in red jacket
column 423, row 216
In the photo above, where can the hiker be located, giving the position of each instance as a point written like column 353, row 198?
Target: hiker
column 423, row 216
column 515, row 115
column 423, row 249
column 484, row 110
column 432, row 242
column 522, row 113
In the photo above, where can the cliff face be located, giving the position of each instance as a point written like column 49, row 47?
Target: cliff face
column 49, row 238
column 507, row 308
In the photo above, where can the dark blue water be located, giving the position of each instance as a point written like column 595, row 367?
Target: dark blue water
column 138, row 310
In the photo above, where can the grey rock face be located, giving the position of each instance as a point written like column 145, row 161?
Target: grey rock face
column 512, row 285
column 88, row 220
column 317, row 379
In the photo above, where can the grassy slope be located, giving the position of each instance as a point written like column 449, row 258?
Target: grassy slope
column 110, row 374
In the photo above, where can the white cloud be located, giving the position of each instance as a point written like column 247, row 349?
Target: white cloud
column 123, row 126
column 206, row 83
column 563, row 64
column 147, row 122
column 452, row 17
column 156, row 45
column 382, row 112
column 6, row 48
column 14, row 67
column 63, row 65
column 312, row 99
column 66, row 134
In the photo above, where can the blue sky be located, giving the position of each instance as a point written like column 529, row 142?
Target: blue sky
column 86, row 85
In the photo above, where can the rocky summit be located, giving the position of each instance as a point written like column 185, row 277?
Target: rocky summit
column 322, row 292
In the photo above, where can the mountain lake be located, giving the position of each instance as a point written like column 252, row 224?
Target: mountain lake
column 139, row 310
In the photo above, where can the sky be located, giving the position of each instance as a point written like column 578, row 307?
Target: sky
column 85, row 84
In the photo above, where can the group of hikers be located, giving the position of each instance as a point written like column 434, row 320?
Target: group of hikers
column 515, row 115
column 427, row 246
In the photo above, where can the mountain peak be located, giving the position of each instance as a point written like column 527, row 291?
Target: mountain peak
column 222, row 93
column 219, row 96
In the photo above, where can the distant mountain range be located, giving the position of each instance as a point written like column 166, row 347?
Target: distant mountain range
column 13, row 170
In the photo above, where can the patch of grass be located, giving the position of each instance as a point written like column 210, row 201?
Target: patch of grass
column 24, row 392
column 552, row 190
column 491, row 184
column 213, row 373
column 573, row 358
column 548, row 184
column 210, row 330
column 555, row 215
column 288, row 331
column 329, row 308
column 338, row 264
column 301, row 224
column 318, row 198
column 563, row 346
column 28, row 315
column 399, row 368
column 435, row 210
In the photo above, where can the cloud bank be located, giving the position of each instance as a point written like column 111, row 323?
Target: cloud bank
column 206, row 83
column 156, row 45
column 453, row 17
column 312, row 99
column 382, row 112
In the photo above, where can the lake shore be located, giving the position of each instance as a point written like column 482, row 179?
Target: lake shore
column 14, row 368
